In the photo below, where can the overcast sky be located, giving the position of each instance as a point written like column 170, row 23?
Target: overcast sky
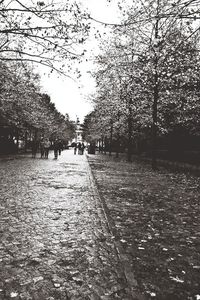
column 70, row 96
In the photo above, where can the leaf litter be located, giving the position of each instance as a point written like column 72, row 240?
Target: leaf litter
column 158, row 215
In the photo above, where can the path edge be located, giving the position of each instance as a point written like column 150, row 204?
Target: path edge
column 123, row 258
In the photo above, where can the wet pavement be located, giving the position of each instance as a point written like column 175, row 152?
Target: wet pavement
column 55, row 241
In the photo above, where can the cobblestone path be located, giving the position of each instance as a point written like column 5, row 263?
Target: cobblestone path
column 54, row 240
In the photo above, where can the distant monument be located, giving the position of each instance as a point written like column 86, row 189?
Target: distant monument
column 79, row 131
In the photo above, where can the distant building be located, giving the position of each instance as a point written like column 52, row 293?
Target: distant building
column 79, row 131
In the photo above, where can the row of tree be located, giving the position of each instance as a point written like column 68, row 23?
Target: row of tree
column 25, row 113
column 48, row 33
column 148, row 80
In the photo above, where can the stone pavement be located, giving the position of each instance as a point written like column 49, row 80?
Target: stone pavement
column 55, row 241
column 156, row 217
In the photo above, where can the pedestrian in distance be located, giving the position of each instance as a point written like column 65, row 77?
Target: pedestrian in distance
column 47, row 145
column 79, row 148
column 56, row 147
column 42, row 148
column 34, row 148
column 75, row 148
column 60, row 147
column 82, row 148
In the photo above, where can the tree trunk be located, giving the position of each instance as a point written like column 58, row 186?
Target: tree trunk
column 130, row 131
column 105, row 145
column 111, row 137
column 154, row 128
column 155, row 99
column 117, row 145
column 25, row 140
column 129, row 154
column 102, row 144
column 118, row 136
column 35, row 134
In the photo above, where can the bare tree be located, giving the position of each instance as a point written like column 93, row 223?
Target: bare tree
column 44, row 32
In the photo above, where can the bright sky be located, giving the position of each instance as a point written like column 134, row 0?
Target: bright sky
column 70, row 96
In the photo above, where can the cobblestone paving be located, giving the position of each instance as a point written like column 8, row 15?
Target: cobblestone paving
column 155, row 216
column 54, row 240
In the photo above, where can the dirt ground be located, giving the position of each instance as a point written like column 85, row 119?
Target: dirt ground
column 156, row 216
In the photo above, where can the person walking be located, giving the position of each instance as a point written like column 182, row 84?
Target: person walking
column 82, row 148
column 75, row 148
column 79, row 148
column 34, row 148
column 60, row 145
column 56, row 148
column 47, row 145
column 42, row 148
